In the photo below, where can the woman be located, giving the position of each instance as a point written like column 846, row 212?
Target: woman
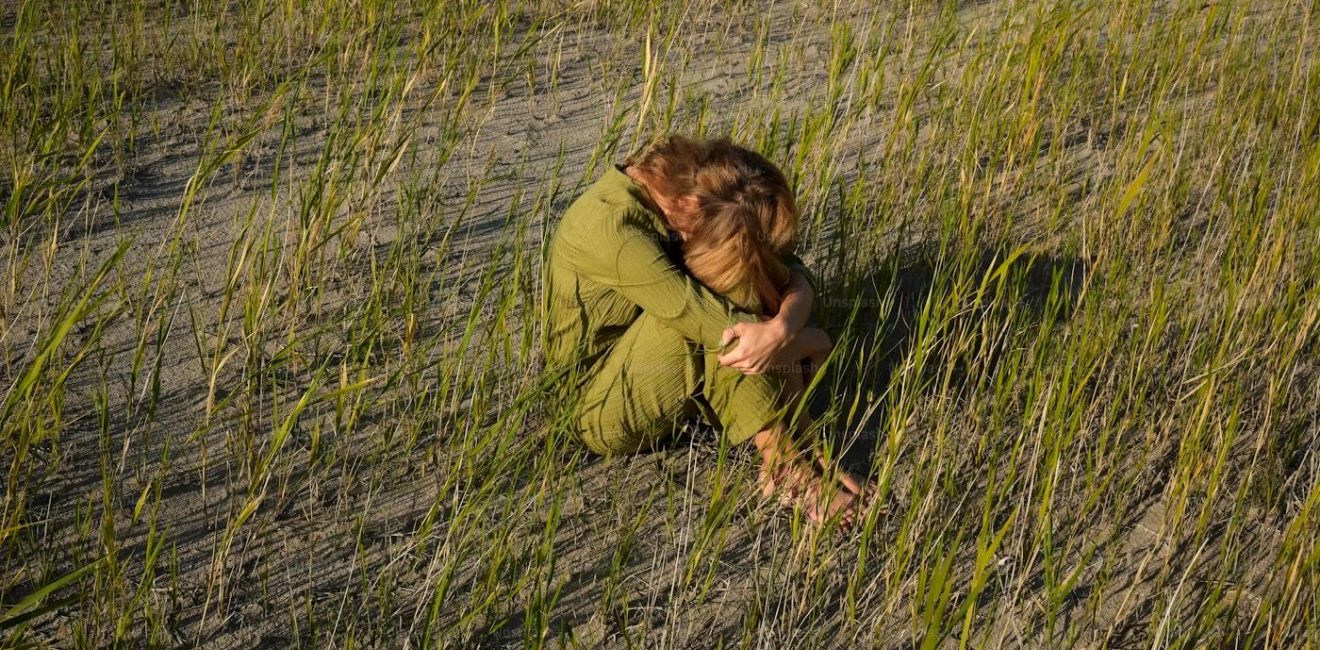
column 672, row 287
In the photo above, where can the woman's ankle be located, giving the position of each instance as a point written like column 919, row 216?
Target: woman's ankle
column 767, row 444
column 775, row 445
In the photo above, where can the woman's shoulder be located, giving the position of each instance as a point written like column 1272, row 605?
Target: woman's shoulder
column 610, row 205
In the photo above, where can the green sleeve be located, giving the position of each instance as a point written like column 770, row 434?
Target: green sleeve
column 632, row 262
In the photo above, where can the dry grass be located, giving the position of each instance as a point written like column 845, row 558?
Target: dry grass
column 268, row 346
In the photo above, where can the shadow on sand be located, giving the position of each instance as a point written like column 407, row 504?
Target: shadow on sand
column 878, row 315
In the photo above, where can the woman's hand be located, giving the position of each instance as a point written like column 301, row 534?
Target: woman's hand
column 768, row 348
column 760, row 345
column 775, row 341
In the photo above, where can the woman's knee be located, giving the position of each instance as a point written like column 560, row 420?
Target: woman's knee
column 744, row 404
column 621, row 439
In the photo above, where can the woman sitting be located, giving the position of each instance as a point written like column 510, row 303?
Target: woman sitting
column 672, row 288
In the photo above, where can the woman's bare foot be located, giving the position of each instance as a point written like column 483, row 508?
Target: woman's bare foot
column 800, row 478
column 796, row 481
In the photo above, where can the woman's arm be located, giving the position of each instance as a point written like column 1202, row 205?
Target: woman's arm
column 795, row 309
column 631, row 261
column 768, row 343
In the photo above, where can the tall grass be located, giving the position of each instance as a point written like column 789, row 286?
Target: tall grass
column 268, row 333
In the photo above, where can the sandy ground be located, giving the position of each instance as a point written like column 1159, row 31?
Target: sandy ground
column 324, row 545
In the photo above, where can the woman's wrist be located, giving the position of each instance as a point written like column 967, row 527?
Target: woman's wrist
column 783, row 328
column 805, row 343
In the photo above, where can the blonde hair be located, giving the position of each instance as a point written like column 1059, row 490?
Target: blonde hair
column 745, row 218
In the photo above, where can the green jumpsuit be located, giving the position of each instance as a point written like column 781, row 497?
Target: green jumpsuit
column 640, row 335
